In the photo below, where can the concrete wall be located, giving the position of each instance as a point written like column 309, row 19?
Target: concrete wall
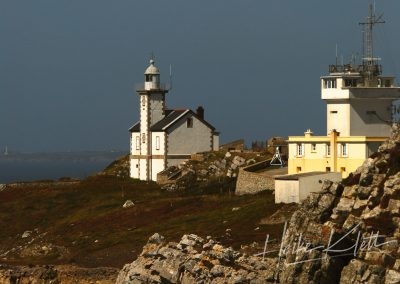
column 364, row 123
column 249, row 182
column 287, row 191
column 308, row 184
column 297, row 188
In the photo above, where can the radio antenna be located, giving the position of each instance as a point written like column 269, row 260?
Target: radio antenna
column 170, row 76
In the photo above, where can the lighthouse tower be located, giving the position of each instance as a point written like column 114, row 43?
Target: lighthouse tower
column 152, row 110
column 163, row 137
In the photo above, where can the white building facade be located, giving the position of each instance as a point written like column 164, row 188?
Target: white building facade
column 165, row 137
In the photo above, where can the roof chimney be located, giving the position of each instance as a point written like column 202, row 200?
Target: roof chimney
column 200, row 112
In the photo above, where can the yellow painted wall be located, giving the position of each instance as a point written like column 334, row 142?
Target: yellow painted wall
column 319, row 161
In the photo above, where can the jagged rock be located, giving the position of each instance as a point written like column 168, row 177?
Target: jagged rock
column 174, row 263
column 392, row 276
column 238, row 161
column 128, row 204
column 26, row 234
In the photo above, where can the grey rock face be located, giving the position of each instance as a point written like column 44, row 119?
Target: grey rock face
column 195, row 260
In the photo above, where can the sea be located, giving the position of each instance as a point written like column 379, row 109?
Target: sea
column 25, row 167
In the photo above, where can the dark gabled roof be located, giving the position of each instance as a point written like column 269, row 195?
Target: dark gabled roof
column 172, row 116
column 135, row 127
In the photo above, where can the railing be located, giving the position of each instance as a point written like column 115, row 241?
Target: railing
column 375, row 69
column 162, row 86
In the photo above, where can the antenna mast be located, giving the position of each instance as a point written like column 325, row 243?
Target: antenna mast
column 370, row 66
column 170, row 77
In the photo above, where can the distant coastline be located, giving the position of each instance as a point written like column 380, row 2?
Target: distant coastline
column 19, row 167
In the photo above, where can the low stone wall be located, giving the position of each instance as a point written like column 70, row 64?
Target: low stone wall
column 249, row 182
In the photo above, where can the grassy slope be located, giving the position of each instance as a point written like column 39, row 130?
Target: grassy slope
column 87, row 218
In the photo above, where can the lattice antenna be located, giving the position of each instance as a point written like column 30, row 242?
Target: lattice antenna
column 368, row 43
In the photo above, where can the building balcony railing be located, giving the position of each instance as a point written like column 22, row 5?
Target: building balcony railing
column 161, row 86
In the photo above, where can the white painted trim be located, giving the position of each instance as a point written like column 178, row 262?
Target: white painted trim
column 179, row 117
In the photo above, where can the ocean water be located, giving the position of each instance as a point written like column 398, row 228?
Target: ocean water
column 16, row 167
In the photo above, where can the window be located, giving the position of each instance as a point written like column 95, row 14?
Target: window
column 329, row 83
column 328, row 169
column 350, row 82
column 344, row 149
column 298, row 169
column 189, row 122
column 313, row 147
column 328, row 150
column 137, row 142
column 333, row 111
column 157, row 142
column 143, row 101
column 143, row 138
column 300, row 149
column 148, row 77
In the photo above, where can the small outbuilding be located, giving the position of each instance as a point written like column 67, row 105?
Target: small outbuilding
column 295, row 188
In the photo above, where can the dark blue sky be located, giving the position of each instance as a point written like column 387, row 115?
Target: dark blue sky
column 68, row 68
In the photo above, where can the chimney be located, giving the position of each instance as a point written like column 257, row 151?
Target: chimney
column 200, row 112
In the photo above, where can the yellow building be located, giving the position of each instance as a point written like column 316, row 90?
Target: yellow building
column 361, row 104
column 332, row 153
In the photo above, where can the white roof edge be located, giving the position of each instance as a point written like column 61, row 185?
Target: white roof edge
column 166, row 126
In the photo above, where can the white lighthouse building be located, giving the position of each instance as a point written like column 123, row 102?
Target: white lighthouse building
column 165, row 137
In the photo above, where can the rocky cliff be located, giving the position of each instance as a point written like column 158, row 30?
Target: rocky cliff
column 347, row 233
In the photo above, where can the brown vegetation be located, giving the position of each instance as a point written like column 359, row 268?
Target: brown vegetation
column 84, row 223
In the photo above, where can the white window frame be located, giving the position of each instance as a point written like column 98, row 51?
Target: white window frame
column 157, row 142
column 328, row 150
column 330, row 83
column 299, row 150
column 137, row 142
column 345, row 149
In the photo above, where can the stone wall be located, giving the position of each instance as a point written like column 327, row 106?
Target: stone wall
column 250, row 182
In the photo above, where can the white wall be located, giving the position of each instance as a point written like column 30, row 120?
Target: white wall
column 286, row 191
column 339, row 120
column 134, row 168
column 300, row 186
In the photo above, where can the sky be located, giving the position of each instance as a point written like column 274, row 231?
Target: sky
column 68, row 68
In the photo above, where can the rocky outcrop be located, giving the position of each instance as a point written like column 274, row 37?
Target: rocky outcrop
column 194, row 260
column 206, row 168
